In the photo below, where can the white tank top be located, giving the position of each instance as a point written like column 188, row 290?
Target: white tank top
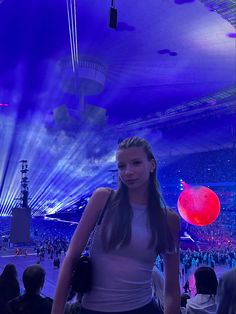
column 122, row 277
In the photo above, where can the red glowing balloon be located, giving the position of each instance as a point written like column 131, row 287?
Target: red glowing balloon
column 198, row 205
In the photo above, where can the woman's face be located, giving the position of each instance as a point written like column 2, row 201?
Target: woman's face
column 134, row 167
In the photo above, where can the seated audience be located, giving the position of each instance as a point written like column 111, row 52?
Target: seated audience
column 206, row 286
column 226, row 293
column 31, row 302
column 9, row 285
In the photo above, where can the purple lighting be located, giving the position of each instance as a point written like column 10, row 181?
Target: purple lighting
column 231, row 35
column 183, row 1
column 167, row 51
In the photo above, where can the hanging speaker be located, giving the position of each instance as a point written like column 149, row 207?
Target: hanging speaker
column 113, row 18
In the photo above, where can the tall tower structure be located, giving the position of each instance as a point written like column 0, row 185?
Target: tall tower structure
column 21, row 215
column 24, row 184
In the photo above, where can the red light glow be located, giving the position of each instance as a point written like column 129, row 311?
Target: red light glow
column 198, row 205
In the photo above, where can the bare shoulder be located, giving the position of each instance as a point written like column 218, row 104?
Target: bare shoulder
column 99, row 198
column 173, row 221
column 101, row 194
column 88, row 220
column 102, row 191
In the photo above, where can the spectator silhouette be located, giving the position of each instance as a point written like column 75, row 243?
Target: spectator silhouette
column 206, row 286
column 9, row 285
column 31, row 302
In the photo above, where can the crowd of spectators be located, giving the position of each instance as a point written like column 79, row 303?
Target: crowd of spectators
column 212, row 257
column 212, row 166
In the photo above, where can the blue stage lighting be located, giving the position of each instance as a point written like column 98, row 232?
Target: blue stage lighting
column 64, row 166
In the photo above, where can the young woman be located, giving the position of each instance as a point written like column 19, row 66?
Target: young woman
column 135, row 228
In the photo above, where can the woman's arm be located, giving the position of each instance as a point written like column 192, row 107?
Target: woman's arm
column 77, row 245
column 171, row 270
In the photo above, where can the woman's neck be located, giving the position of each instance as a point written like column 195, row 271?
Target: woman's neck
column 138, row 197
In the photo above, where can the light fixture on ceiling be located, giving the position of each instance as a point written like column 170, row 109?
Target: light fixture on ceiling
column 113, row 16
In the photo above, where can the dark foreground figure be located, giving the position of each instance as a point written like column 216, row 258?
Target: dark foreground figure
column 31, row 302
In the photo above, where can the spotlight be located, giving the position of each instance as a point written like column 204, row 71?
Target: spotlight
column 113, row 16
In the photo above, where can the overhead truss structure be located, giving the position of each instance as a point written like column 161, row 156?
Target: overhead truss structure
column 222, row 102
column 226, row 8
